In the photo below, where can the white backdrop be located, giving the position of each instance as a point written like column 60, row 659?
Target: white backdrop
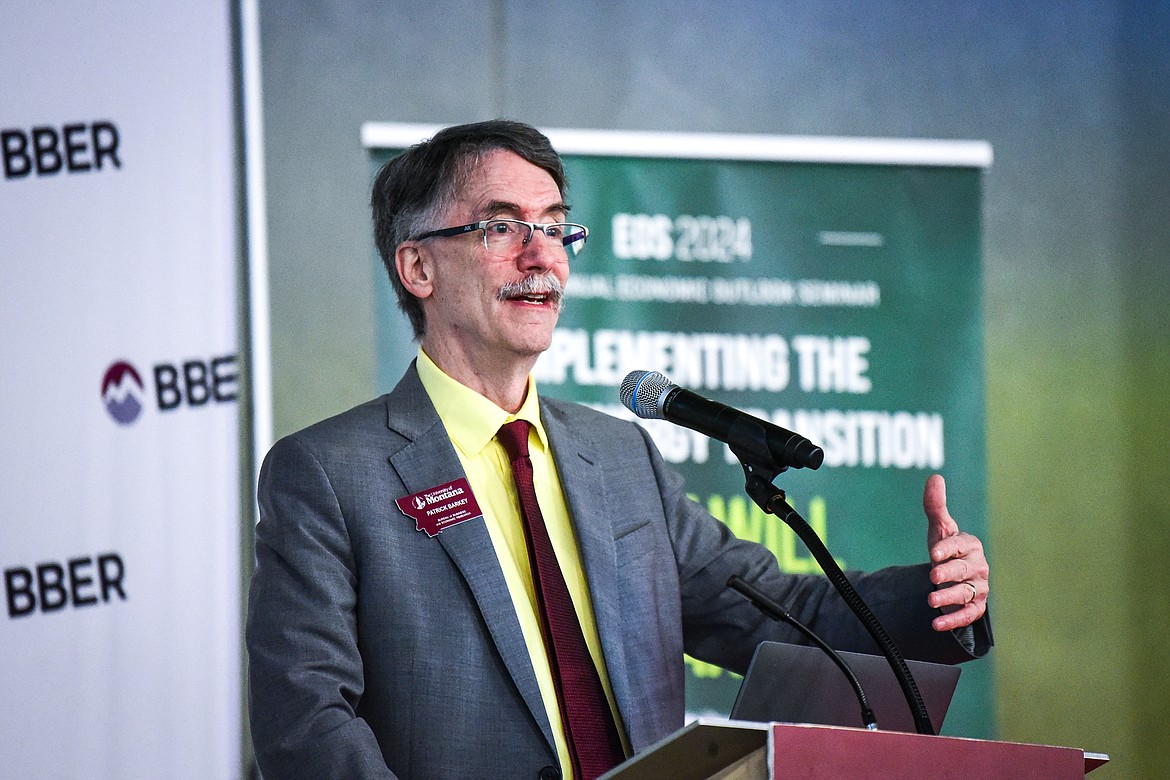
column 119, row 484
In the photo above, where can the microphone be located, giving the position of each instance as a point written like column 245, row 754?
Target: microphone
column 779, row 614
column 651, row 396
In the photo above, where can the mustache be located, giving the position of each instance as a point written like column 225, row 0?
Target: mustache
column 533, row 284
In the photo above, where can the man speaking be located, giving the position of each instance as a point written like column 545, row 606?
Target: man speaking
column 462, row 579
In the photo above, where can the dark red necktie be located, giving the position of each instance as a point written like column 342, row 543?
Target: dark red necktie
column 589, row 724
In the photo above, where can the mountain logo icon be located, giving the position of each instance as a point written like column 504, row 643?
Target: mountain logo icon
column 122, row 392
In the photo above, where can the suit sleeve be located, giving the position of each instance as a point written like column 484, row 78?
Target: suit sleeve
column 721, row 627
column 305, row 668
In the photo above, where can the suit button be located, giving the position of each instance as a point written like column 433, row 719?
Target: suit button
column 550, row 773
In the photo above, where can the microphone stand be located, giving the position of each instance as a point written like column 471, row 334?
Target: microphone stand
column 772, row 500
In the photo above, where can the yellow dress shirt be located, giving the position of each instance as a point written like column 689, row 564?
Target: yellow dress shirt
column 472, row 421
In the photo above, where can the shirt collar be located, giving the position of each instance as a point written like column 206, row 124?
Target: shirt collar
column 471, row 419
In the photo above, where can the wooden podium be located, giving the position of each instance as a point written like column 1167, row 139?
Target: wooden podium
column 713, row 749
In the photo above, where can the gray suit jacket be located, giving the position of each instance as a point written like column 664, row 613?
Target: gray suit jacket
column 377, row 651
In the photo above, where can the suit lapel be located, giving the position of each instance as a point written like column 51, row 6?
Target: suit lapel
column 428, row 460
column 591, row 509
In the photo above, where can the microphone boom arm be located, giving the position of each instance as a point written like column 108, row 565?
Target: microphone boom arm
column 772, row 500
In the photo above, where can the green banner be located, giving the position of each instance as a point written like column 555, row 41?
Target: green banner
column 841, row 301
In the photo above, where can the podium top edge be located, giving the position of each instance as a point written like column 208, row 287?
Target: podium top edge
column 1094, row 760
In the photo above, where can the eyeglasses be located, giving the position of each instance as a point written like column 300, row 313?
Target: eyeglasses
column 501, row 236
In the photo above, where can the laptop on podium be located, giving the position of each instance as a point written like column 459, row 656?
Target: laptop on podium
column 800, row 684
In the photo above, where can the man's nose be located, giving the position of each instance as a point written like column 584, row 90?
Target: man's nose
column 541, row 252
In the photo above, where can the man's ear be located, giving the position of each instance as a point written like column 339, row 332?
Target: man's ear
column 413, row 269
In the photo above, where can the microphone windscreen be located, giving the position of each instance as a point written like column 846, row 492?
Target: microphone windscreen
column 642, row 392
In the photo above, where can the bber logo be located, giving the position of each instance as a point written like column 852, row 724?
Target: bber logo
column 184, row 385
column 122, row 392
column 45, row 150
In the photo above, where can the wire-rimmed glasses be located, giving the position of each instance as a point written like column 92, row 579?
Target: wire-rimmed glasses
column 501, row 235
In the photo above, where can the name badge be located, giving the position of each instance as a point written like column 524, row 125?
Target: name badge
column 437, row 509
